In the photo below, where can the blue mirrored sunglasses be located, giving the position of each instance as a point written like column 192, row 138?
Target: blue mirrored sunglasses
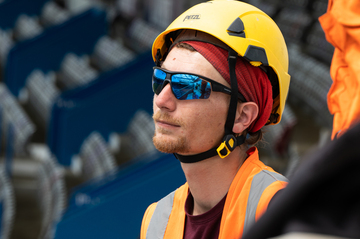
column 186, row 86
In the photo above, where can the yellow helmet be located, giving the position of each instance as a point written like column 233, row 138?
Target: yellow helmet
column 250, row 32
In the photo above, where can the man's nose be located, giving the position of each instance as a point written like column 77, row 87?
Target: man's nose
column 166, row 99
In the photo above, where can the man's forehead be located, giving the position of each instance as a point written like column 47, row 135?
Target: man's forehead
column 184, row 60
column 182, row 55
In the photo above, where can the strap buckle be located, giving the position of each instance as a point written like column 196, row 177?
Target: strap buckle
column 227, row 146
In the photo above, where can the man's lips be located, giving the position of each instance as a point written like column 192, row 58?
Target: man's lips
column 166, row 124
column 164, row 120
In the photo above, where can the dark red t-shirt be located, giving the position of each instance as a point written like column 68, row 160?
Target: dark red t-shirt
column 204, row 226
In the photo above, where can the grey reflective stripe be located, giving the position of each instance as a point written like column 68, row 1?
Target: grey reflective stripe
column 259, row 183
column 160, row 218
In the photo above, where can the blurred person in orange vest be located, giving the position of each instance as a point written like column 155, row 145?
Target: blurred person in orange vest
column 341, row 25
column 221, row 74
column 322, row 198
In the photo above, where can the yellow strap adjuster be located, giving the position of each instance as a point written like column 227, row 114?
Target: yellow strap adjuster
column 227, row 146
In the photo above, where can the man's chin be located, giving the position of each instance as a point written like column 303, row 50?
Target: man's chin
column 166, row 145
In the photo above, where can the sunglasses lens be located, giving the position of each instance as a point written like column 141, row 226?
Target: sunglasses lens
column 189, row 87
column 158, row 80
column 184, row 86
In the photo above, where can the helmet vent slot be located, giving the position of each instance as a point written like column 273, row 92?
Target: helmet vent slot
column 255, row 53
column 236, row 28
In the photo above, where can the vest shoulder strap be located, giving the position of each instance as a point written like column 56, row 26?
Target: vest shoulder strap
column 146, row 220
column 169, row 210
column 160, row 217
column 259, row 184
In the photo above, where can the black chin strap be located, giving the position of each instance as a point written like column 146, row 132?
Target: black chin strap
column 229, row 141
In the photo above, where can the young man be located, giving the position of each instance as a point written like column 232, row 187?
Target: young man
column 221, row 76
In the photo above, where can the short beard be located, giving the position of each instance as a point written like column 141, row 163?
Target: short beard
column 170, row 146
column 177, row 145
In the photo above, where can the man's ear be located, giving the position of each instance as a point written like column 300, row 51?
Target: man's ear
column 246, row 113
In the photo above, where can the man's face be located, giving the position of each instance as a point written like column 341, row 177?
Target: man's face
column 189, row 126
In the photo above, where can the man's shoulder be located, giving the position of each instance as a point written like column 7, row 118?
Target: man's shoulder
column 182, row 190
column 262, row 168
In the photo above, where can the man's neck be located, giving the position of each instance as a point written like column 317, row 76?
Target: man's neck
column 209, row 180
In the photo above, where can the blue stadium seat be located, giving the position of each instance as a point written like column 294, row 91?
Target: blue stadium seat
column 11, row 10
column 115, row 207
column 105, row 105
column 46, row 51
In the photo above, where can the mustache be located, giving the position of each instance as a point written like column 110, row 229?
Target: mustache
column 163, row 116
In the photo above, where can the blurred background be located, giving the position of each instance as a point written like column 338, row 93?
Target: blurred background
column 76, row 152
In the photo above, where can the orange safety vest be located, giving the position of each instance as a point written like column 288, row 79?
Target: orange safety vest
column 341, row 25
column 248, row 197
